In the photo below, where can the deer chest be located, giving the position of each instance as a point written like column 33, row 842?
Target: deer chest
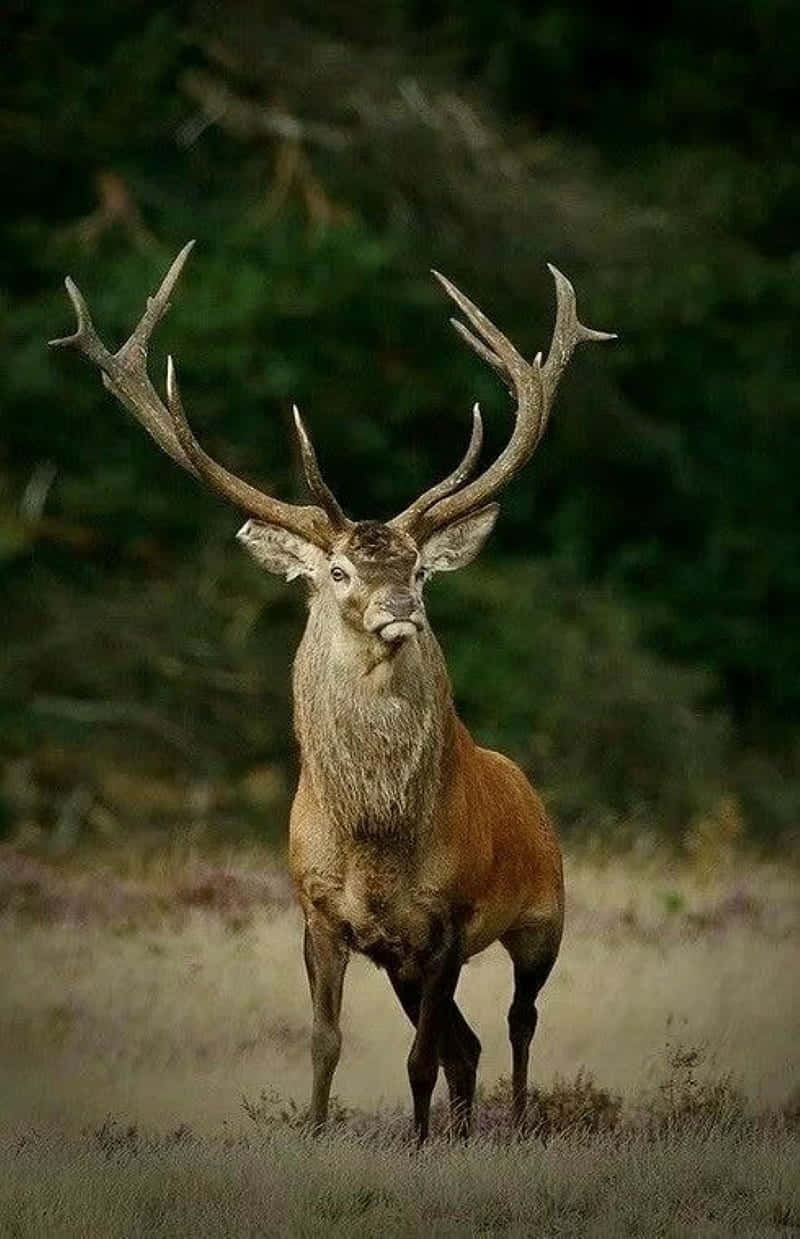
column 382, row 910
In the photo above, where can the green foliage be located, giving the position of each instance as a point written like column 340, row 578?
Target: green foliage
column 654, row 162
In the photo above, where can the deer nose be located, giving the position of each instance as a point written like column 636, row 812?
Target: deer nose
column 401, row 605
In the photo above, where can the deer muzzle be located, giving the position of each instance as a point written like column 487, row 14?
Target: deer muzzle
column 394, row 617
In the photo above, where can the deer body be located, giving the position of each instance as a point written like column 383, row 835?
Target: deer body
column 488, row 866
column 401, row 823
column 407, row 842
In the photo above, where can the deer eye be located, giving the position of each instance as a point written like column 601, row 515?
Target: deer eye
column 338, row 574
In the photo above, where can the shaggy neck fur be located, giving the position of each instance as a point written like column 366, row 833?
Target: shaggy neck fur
column 372, row 723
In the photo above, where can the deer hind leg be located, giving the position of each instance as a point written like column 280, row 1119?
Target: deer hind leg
column 458, row 1051
column 533, row 951
column 326, row 959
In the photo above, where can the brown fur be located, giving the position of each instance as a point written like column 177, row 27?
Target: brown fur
column 385, row 758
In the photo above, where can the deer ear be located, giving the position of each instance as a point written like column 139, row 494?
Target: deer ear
column 457, row 544
column 280, row 551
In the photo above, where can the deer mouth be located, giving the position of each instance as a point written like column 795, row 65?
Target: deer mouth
column 397, row 630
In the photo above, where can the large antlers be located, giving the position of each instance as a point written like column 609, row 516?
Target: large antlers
column 534, row 385
column 125, row 375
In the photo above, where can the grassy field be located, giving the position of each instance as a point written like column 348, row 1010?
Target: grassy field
column 154, row 1063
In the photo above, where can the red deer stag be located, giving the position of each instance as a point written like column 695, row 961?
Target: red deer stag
column 407, row 842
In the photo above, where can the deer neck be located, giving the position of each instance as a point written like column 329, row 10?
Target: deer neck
column 373, row 725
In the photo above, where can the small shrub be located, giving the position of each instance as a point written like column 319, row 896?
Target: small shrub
column 686, row 1100
column 577, row 1105
column 273, row 1110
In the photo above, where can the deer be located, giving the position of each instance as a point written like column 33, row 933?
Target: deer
column 408, row 843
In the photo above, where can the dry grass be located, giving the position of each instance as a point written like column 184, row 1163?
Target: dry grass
column 117, row 1181
column 163, row 990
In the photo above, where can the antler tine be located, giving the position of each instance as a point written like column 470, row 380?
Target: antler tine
column 316, row 483
column 463, row 469
column 482, row 350
column 308, row 521
column 157, row 306
column 532, row 383
column 499, row 346
column 124, row 373
column 567, row 333
column 85, row 338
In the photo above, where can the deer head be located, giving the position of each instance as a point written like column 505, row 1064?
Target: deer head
column 367, row 574
column 371, row 579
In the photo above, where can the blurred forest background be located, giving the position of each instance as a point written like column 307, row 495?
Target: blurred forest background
column 631, row 633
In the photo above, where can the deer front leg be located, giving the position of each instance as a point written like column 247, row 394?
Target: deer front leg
column 326, row 959
column 436, row 995
column 459, row 1051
